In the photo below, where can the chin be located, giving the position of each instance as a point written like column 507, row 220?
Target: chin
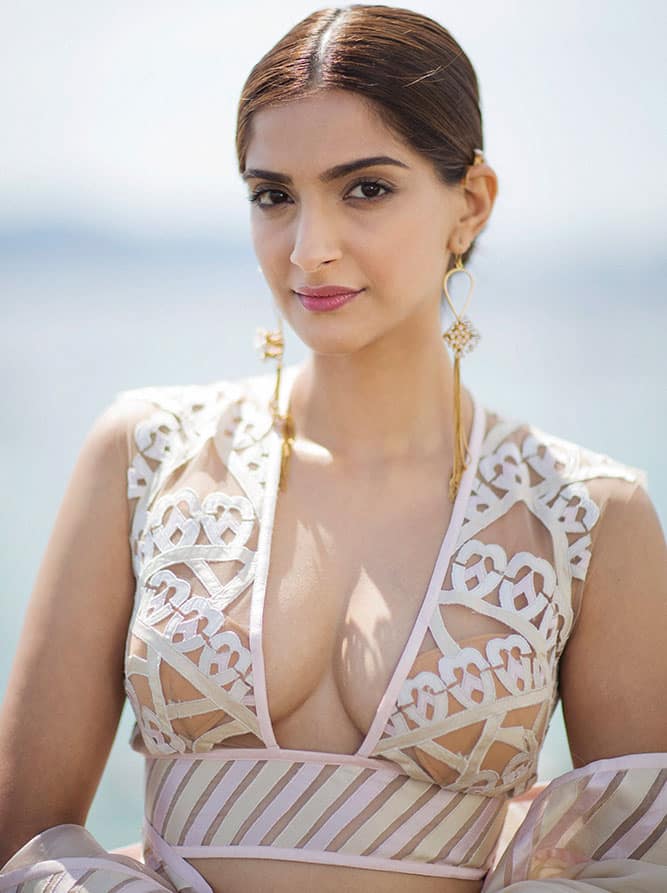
column 327, row 347
column 332, row 344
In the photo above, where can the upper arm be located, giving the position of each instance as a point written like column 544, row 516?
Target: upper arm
column 65, row 692
column 613, row 672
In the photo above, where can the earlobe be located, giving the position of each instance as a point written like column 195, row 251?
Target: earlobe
column 457, row 245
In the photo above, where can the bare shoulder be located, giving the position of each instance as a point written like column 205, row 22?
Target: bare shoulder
column 110, row 434
column 614, row 661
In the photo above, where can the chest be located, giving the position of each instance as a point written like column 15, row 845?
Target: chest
column 351, row 558
column 352, row 611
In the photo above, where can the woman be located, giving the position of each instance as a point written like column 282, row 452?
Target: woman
column 350, row 604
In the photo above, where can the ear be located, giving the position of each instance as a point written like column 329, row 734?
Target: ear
column 478, row 188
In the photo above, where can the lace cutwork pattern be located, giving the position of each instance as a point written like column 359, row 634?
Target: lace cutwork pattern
column 526, row 594
column 474, row 709
column 193, row 557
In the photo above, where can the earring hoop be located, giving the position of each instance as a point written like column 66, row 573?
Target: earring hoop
column 461, row 337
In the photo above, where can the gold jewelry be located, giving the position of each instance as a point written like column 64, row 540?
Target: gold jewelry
column 478, row 159
column 462, row 337
column 271, row 346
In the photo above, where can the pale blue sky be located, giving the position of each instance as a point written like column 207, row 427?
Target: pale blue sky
column 123, row 113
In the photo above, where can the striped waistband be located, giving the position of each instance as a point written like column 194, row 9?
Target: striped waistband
column 318, row 809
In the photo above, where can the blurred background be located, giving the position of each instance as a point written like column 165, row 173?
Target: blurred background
column 126, row 259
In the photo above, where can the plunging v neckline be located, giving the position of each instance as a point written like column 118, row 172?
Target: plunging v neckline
column 429, row 599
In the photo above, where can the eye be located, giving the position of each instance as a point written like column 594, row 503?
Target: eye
column 255, row 196
column 374, row 184
column 365, row 184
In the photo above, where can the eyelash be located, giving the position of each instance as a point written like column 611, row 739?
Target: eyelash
column 254, row 197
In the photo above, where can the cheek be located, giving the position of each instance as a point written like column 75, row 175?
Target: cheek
column 394, row 252
column 272, row 253
column 414, row 235
column 261, row 243
column 409, row 257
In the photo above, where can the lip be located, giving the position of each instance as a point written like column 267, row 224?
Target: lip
column 332, row 302
column 326, row 291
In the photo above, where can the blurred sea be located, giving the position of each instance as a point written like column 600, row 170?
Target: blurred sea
column 573, row 343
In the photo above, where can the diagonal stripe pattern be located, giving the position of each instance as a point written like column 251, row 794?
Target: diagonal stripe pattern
column 317, row 808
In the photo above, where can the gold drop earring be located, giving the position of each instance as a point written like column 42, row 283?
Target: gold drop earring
column 271, row 346
column 462, row 337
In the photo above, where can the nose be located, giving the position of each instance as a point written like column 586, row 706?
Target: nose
column 315, row 241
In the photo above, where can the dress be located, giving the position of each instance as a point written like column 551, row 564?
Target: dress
column 459, row 728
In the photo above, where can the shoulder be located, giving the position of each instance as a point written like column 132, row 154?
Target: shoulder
column 565, row 480
column 567, row 486
column 166, row 428
column 598, row 481
column 630, row 543
column 181, row 401
column 551, row 457
column 157, row 418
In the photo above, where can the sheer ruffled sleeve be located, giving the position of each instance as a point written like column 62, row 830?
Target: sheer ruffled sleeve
column 67, row 857
column 600, row 827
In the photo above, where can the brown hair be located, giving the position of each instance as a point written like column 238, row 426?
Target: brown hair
column 406, row 66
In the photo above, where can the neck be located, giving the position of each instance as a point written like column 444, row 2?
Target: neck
column 390, row 401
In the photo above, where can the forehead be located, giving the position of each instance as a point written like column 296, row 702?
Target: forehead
column 317, row 131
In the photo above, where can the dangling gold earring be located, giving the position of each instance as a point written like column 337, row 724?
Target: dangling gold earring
column 462, row 337
column 271, row 346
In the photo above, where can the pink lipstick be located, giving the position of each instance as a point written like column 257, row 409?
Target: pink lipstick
column 326, row 297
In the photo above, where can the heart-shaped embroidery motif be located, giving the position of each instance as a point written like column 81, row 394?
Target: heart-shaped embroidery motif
column 464, row 571
column 227, row 520
column 423, row 699
column 163, row 594
column 468, row 677
column 518, row 592
column 511, row 658
column 178, row 529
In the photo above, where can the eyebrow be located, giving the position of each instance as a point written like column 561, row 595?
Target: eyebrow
column 333, row 173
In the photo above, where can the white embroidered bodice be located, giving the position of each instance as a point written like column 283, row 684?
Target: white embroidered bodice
column 471, row 697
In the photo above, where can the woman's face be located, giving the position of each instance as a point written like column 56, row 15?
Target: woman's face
column 392, row 239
